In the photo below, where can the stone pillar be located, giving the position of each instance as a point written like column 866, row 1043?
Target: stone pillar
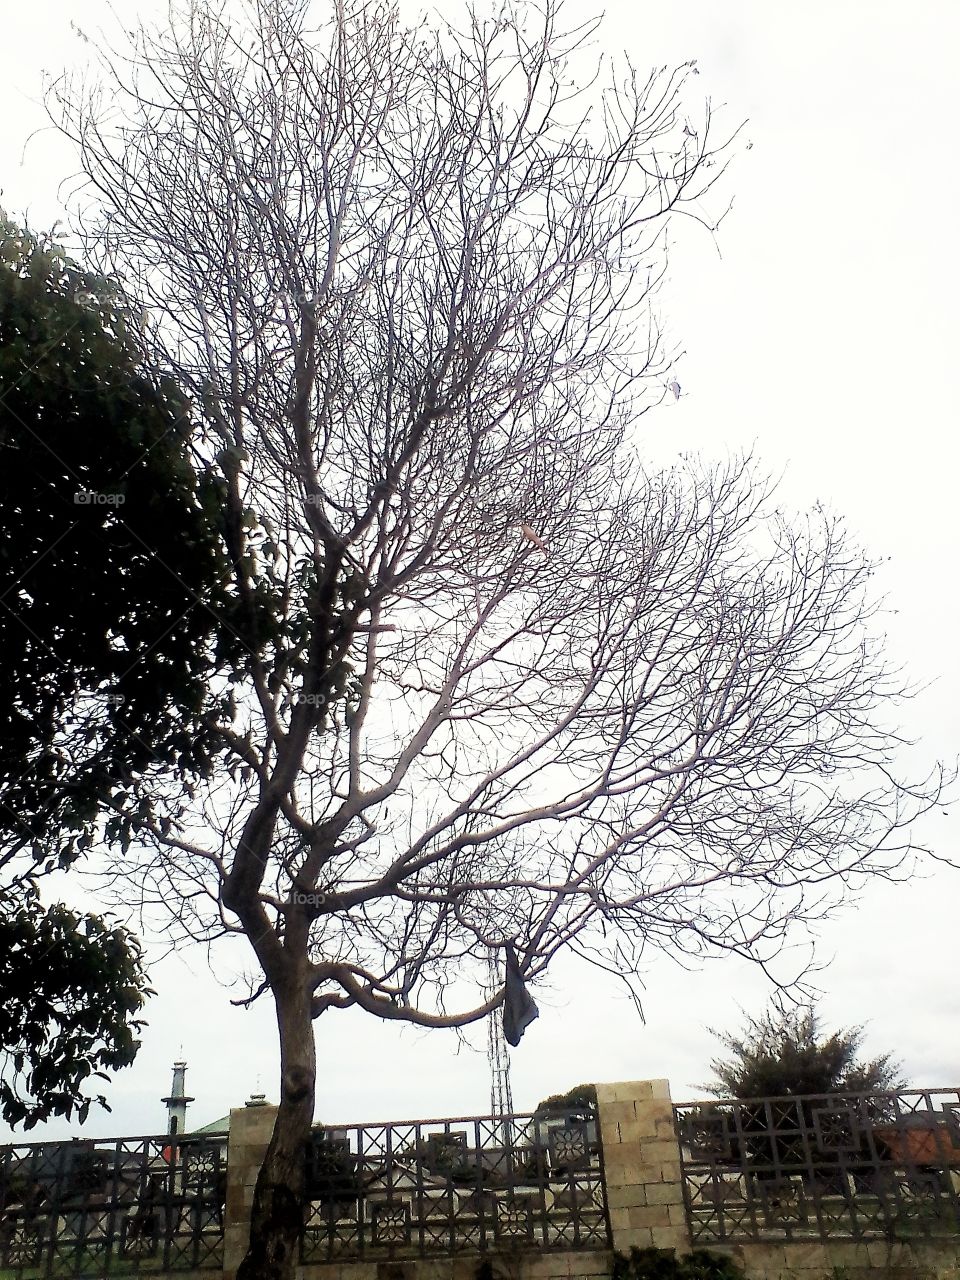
column 250, row 1130
column 641, row 1161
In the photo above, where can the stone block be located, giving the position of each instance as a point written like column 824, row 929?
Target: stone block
column 584, row 1266
column 619, row 1218
column 807, row 1257
column 654, row 1150
column 664, row 1193
column 541, row 1267
column 636, row 1171
column 642, row 1237
column 624, row 1091
column 244, row 1156
column 771, row 1255
column 632, row 1132
column 646, row 1123
column 654, row 1107
column 626, row 1197
column 847, row 1253
column 351, row 1271
column 618, row 1159
column 670, row 1170
column 614, row 1112
column 883, row 1253
column 234, row 1205
column 657, row 1215
column 607, row 1093
column 669, row 1238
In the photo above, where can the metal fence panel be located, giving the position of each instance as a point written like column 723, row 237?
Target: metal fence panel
column 826, row 1166
column 102, row 1207
column 469, row 1185
column 99, row 1208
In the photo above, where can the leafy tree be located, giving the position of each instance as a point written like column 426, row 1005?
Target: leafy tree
column 113, row 612
column 580, row 1100
column 113, row 567
column 785, row 1052
column 517, row 693
column 71, row 988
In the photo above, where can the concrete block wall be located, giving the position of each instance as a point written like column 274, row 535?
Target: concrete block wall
column 250, row 1130
column 641, row 1162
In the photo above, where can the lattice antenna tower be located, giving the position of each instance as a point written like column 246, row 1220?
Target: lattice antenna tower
column 501, row 1096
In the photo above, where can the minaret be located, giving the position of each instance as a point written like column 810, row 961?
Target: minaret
column 176, row 1104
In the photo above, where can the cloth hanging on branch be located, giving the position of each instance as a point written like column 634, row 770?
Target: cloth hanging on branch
column 519, row 1006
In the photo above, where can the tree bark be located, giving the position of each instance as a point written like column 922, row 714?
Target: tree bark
column 276, row 1217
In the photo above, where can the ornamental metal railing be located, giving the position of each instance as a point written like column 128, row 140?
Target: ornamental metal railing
column 100, row 1207
column 826, row 1166
column 488, row 1183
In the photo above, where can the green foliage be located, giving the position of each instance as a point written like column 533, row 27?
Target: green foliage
column 784, row 1053
column 580, row 1100
column 113, row 561
column 71, row 988
column 663, row 1264
column 332, row 1172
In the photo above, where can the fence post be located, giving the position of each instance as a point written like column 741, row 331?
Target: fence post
column 641, row 1162
column 250, row 1130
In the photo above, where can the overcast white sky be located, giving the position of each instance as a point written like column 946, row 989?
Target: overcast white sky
column 826, row 337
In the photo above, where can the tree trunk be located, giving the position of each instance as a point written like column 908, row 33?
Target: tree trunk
column 276, row 1217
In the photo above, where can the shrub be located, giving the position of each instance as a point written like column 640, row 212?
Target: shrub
column 663, row 1264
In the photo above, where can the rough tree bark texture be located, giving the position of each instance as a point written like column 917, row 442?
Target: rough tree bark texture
column 276, row 1218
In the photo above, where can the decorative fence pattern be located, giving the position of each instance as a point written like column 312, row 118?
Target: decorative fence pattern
column 108, row 1207
column 837, row 1167
column 450, row 1186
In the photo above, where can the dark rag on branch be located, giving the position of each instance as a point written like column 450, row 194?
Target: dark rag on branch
column 519, row 1007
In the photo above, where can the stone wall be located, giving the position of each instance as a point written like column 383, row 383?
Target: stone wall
column 842, row 1260
column 645, row 1196
column 645, row 1201
column 641, row 1162
column 250, row 1129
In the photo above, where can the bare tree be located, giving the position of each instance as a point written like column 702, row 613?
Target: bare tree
column 504, row 686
